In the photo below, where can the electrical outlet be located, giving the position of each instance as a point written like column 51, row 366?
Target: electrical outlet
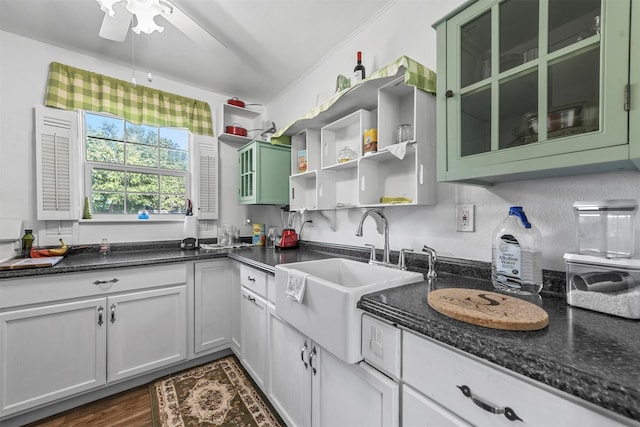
column 465, row 217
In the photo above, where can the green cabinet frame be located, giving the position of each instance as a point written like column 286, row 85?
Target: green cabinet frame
column 606, row 149
column 264, row 170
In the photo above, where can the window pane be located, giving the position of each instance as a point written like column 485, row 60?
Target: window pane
column 519, row 110
column 136, row 202
column 174, row 138
column 571, row 21
column 104, row 127
column 518, row 32
column 107, row 180
column 476, row 50
column 174, row 159
column 108, row 203
column 574, row 97
column 173, row 184
column 475, row 123
column 142, row 182
column 105, row 151
column 173, row 204
column 142, row 155
column 142, row 134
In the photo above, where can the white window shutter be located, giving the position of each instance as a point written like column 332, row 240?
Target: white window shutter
column 206, row 203
column 56, row 182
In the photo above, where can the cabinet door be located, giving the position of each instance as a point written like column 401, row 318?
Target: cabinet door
column 419, row 411
column 51, row 352
column 235, row 297
column 246, row 169
column 254, row 336
column 147, row 330
column 520, row 101
column 289, row 374
column 273, row 169
column 351, row 395
column 212, row 308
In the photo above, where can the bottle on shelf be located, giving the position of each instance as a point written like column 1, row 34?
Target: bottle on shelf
column 358, row 71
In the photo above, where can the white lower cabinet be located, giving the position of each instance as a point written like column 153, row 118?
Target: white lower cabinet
column 51, row 352
column 483, row 395
column 64, row 335
column 212, row 305
column 311, row 387
column 253, row 310
column 234, row 304
column 146, row 330
column 289, row 376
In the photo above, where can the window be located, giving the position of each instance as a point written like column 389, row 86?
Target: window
column 133, row 167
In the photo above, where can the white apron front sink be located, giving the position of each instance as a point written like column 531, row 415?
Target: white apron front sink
column 328, row 313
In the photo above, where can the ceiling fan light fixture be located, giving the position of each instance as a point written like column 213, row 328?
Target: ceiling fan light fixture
column 107, row 6
column 145, row 11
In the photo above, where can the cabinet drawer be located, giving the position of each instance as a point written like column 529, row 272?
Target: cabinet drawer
column 57, row 287
column 439, row 372
column 417, row 410
column 381, row 345
column 253, row 279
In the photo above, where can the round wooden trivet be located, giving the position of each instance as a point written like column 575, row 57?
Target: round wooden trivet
column 489, row 309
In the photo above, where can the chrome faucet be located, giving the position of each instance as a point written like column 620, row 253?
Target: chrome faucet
column 385, row 225
column 432, row 261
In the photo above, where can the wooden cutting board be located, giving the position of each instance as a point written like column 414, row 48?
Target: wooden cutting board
column 488, row 309
column 16, row 263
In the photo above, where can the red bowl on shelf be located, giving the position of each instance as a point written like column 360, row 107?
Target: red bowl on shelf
column 236, row 102
column 236, row 130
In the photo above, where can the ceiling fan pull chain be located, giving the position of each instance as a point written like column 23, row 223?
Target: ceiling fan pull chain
column 149, row 76
column 133, row 61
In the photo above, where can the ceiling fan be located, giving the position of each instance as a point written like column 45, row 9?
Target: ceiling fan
column 118, row 17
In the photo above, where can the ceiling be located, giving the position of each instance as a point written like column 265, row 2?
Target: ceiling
column 265, row 45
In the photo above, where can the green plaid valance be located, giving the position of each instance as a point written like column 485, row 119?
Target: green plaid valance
column 71, row 88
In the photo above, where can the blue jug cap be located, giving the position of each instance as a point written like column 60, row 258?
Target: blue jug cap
column 517, row 211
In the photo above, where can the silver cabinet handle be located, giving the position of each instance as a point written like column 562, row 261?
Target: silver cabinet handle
column 100, row 310
column 251, row 279
column 102, row 282
column 489, row 407
column 311, row 356
column 302, row 352
column 113, row 313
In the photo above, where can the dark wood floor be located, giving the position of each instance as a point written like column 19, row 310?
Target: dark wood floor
column 131, row 408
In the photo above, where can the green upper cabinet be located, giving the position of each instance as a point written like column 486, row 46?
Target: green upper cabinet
column 534, row 88
column 264, row 170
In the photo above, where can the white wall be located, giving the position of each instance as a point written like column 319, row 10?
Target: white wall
column 405, row 29
column 24, row 67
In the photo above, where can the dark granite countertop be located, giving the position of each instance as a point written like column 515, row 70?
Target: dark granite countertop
column 260, row 257
column 587, row 354
column 590, row 355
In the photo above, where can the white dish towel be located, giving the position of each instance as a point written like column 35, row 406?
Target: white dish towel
column 398, row 150
column 296, row 283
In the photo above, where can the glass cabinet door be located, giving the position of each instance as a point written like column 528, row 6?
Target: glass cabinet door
column 534, row 78
column 246, row 159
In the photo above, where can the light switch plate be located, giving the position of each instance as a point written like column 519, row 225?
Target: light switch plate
column 465, row 217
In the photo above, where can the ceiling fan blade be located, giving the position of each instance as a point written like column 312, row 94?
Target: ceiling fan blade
column 193, row 30
column 116, row 27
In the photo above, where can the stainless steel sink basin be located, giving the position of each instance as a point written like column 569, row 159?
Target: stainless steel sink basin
column 328, row 313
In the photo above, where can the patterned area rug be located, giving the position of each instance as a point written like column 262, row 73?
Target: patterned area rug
column 219, row 393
